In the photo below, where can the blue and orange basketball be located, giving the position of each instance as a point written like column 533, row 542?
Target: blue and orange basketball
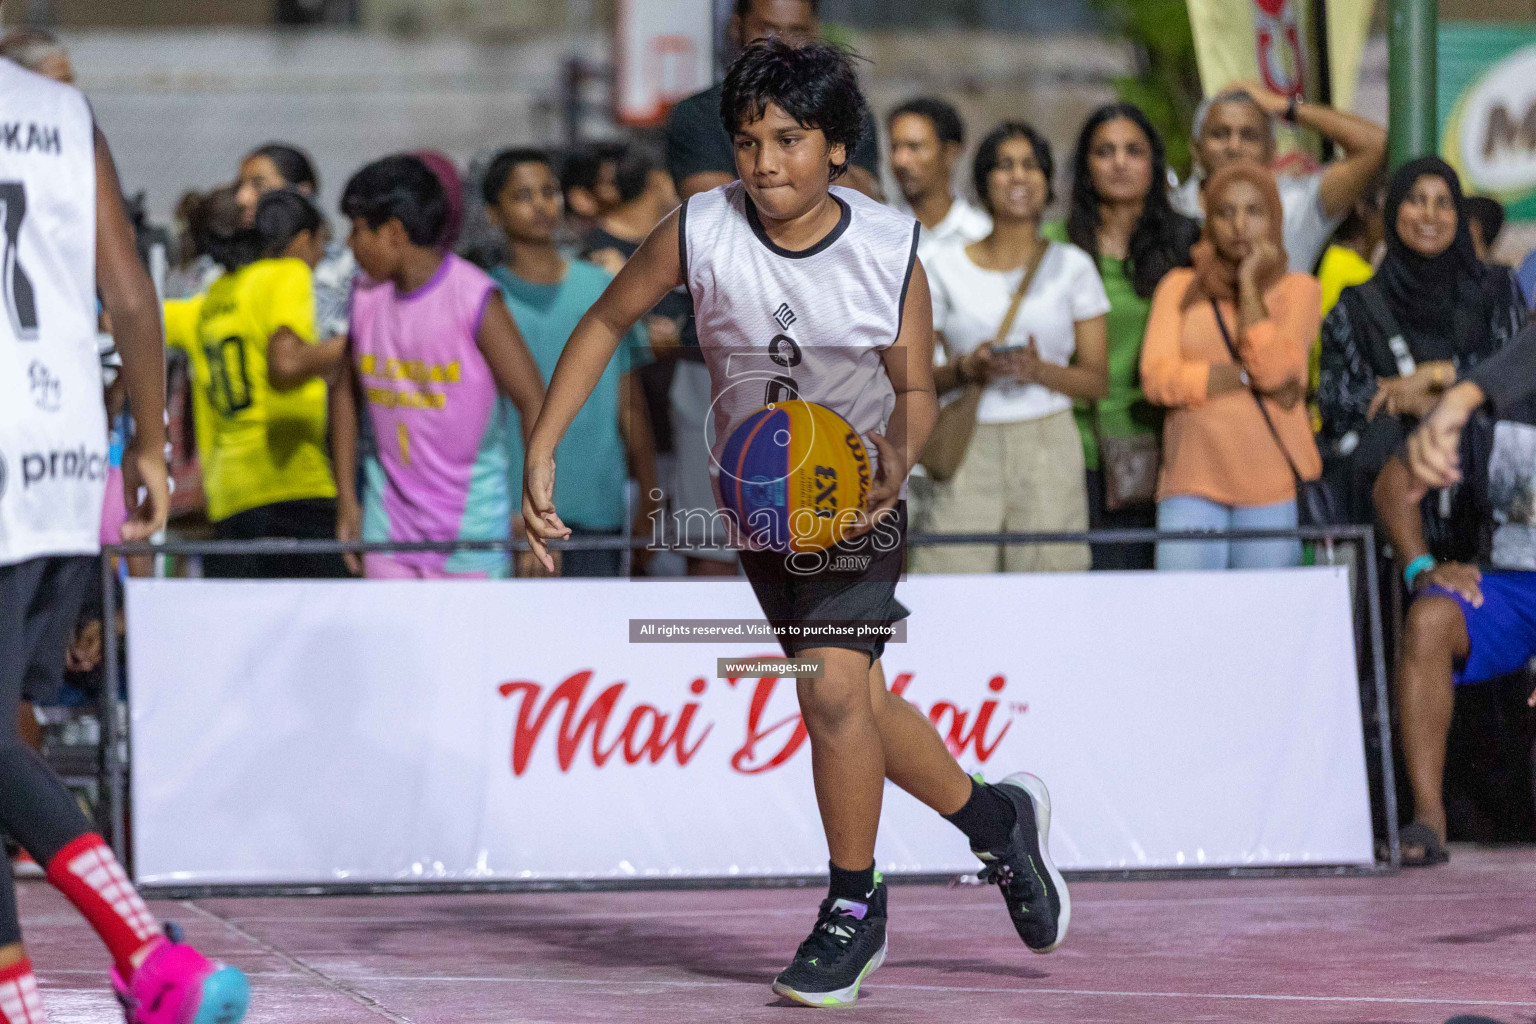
column 788, row 470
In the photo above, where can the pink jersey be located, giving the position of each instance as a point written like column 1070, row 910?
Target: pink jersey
column 440, row 468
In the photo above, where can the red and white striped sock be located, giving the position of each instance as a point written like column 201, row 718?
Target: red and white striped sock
column 87, row 872
column 19, row 1001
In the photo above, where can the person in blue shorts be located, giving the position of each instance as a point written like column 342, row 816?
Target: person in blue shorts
column 1468, row 623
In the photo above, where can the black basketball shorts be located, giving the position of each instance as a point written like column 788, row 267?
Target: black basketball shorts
column 843, row 597
column 40, row 600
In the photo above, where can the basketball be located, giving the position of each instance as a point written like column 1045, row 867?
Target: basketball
column 788, row 470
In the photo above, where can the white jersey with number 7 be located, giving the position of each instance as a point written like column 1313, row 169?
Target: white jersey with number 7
column 53, row 431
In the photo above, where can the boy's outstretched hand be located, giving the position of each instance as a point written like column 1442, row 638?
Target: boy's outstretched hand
column 539, row 507
column 144, row 469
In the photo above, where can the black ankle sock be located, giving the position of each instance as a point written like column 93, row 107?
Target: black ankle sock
column 986, row 819
column 851, row 885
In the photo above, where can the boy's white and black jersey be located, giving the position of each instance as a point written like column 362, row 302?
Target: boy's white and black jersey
column 777, row 325
column 53, row 430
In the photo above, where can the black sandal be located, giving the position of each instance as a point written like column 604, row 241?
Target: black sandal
column 1421, row 835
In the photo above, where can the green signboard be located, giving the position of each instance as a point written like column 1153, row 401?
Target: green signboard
column 1487, row 111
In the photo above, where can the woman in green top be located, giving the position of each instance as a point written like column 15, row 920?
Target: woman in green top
column 1120, row 216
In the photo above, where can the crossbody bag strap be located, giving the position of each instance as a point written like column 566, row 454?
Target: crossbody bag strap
column 1014, row 304
column 1018, row 297
column 1226, row 336
column 1376, row 305
column 1380, row 312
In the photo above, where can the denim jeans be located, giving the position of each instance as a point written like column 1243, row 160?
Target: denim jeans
column 1185, row 512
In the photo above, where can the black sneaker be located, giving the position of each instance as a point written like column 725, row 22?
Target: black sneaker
column 1034, row 890
column 844, row 948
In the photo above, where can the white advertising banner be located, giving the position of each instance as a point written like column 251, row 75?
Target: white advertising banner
column 325, row 732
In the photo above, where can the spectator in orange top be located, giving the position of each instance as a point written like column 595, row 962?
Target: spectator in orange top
column 1227, row 342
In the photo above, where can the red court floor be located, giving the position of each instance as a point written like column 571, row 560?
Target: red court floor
column 1412, row 949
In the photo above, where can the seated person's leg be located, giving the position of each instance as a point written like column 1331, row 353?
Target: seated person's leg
column 1434, row 642
column 1489, row 636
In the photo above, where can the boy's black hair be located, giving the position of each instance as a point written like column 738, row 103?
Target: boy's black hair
column 986, row 158
column 634, row 171
column 945, row 119
column 281, row 216
column 399, row 188
column 744, row 7
column 583, row 166
column 502, row 165
column 814, row 84
column 578, row 169
column 291, row 162
column 218, row 229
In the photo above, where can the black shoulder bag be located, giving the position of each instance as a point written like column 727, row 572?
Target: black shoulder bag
column 1317, row 503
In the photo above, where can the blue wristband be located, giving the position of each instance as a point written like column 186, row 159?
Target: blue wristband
column 1419, row 565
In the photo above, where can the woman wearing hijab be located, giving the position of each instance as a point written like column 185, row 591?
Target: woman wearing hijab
column 1226, row 353
column 1432, row 312
column 1392, row 345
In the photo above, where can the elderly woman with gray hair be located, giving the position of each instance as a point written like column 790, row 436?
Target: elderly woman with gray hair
column 1239, row 125
column 40, row 52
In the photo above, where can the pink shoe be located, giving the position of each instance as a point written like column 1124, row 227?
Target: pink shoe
column 178, row 985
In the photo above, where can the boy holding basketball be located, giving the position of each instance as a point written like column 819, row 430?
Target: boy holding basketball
column 804, row 290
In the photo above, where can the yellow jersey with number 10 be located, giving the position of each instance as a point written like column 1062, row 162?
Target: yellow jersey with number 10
column 258, row 445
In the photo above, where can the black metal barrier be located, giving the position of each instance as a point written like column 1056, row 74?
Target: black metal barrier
column 1376, row 716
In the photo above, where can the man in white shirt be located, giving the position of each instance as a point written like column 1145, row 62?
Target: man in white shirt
column 1239, row 124
column 927, row 138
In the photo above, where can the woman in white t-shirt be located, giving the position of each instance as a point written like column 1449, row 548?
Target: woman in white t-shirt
column 1023, row 471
